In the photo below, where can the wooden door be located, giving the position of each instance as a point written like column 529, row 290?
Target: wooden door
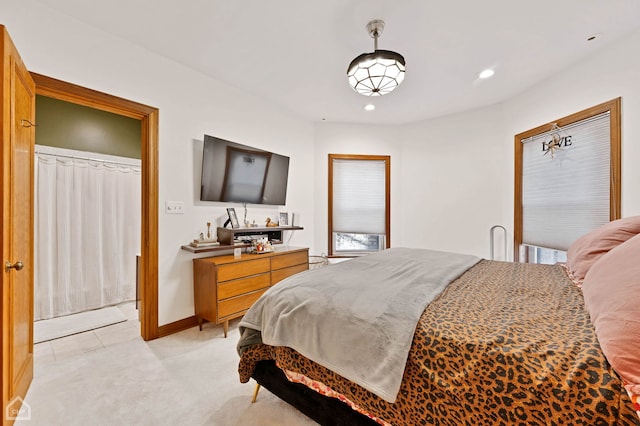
column 18, row 134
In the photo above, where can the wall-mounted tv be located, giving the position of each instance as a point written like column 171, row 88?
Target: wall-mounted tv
column 233, row 172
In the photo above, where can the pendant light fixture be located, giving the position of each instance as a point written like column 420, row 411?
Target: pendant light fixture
column 379, row 72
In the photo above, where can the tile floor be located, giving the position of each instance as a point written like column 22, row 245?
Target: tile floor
column 110, row 376
column 78, row 344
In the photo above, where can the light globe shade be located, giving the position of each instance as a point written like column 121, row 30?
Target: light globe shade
column 377, row 73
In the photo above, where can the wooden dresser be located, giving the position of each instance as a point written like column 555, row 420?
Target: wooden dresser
column 224, row 287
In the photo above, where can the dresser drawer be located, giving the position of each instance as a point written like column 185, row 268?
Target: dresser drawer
column 242, row 269
column 242, row 285
column 286, row 260
column 225, row 287
column 238, row 304
column 283, row 273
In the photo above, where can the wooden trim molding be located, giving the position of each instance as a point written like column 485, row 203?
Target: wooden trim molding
column 387, row 160
column 614, row 108
column 176, row 326
column 148, row 116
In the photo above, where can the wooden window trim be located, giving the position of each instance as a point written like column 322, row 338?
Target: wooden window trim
column 387, row 160
column 613, row 107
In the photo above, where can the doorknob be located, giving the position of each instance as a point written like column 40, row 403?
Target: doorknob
column 17, row 266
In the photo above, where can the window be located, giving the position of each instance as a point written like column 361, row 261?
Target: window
column 543, row 255
column 567, row 182
column 358, row 204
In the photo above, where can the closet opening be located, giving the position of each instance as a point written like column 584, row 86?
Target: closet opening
column 141, row 122
column 87, row 192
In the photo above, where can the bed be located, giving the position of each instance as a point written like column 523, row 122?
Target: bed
column 499, row 343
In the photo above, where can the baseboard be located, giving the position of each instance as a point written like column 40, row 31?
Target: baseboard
column 176, row 326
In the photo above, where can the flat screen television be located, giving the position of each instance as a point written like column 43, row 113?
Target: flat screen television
column 232, row 172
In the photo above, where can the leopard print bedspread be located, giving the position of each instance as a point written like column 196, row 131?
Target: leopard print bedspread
column 506, row 343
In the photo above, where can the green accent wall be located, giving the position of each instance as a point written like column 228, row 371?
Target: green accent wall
column 67, row 125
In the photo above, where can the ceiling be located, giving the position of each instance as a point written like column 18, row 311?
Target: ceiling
column 293, row 54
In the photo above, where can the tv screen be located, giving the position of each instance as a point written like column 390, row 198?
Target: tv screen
column 233, row 172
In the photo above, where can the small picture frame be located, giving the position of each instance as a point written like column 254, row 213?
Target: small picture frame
column 284, row 219
column 233, row 218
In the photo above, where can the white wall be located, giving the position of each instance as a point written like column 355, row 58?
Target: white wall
column 448, row 178
column 190, row 105
column 354, row 139
column 457, row 175
column 452, row 177
column 607, row 74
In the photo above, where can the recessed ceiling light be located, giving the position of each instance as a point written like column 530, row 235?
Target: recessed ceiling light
column 486, row 73
column 369, row 107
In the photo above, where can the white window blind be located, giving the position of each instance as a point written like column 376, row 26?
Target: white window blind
column 359, row 196
column 566, row 196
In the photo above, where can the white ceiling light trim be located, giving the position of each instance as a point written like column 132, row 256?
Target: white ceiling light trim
column 486, row 73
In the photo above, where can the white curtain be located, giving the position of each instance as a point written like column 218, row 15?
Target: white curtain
column 87, row 231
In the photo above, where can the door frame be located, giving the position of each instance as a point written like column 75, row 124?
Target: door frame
column 148, row 116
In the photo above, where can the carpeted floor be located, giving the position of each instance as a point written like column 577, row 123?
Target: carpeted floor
column 110, row 376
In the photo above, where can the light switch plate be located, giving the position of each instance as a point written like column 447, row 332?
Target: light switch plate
column 174, row 207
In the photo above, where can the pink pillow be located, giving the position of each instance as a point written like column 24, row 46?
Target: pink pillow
column 612, row 296
column 586, row 250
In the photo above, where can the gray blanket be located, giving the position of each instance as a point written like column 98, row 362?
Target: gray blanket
column 357, row 317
